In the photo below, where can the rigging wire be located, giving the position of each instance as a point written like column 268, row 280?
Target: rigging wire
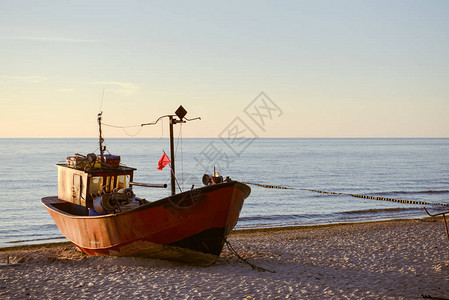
column 124, row 128
column 117, row 126
column 130, row 134
column 176, row 150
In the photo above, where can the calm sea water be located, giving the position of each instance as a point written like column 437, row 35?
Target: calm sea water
column 410, row 169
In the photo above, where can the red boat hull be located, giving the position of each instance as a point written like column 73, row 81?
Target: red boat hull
column 177, row 227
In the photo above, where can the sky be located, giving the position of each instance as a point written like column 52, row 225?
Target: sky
column 269, row 68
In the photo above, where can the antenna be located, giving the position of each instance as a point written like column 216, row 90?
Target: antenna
column 101, row 103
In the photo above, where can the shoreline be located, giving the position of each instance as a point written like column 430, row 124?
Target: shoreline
column 243, row 231
column 399, row 259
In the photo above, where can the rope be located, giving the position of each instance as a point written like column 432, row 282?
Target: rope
column 117, row 126
column 352, row 195
column 253, row 266
column 271, row 186
column 124, row 128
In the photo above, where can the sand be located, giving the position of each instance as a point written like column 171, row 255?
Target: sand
column 406, row 259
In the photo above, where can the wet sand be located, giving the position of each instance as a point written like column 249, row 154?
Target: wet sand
column 407, row 259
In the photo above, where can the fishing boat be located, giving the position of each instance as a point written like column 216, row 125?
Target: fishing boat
column 97, row 210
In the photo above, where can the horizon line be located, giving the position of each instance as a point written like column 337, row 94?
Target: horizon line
column 130, row 137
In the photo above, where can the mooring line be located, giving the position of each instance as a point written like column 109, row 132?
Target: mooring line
column 352, row 195
column 271, row 186
column 253, row 266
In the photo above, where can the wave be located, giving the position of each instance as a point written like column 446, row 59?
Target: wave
column 414, row 192
column 17, row 228
column 373, row 213
column 379, row 210
column 273, row 218
column 36, row 240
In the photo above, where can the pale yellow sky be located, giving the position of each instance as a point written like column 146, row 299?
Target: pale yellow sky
column 362, row 69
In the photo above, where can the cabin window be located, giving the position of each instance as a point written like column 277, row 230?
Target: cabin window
column 109, row 183
column 95, row 185
column 123, row 181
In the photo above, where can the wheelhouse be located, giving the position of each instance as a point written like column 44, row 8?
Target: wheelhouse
column 81, row 186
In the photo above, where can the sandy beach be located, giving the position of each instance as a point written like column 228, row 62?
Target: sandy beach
column 406, row 259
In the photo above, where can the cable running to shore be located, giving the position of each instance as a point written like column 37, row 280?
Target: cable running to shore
column 352, row 195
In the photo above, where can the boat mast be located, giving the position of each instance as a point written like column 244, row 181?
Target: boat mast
column 172, row 154
column 100, row 139
column 180, row 113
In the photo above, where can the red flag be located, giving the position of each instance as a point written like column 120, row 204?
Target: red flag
column 163, row 161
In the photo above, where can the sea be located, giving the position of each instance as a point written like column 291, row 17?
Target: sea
column 402, row 168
